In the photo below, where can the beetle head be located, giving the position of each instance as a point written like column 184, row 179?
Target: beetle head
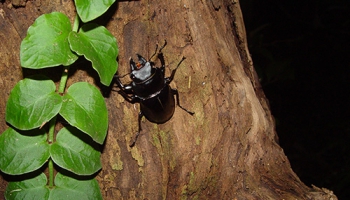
column 141, row 70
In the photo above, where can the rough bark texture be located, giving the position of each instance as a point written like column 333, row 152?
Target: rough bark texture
column 227, row 150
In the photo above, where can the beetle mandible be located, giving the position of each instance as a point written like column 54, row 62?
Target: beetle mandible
column 151, row 89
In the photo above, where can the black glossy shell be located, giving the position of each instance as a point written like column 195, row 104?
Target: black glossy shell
column 151, row 86
column 159, row 108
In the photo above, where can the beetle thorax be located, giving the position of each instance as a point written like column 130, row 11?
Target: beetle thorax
column 142, row 73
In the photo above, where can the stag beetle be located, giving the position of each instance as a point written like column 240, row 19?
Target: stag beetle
column 151, row 89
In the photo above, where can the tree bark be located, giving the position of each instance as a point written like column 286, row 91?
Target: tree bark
column 227, row 150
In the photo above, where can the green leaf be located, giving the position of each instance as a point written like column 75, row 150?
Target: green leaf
column 73, row 154
column 99, row 46
column 34, row 188
column 89, row 10
column 32, row 103
column 84, row 108
column 46, row 43
column 69, row 188
column 20, row 153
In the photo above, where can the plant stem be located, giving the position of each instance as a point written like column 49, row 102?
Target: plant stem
column 61, row 88
column 63, row 81
column 50, row 140
column 76, row 23
column 51, row 173
column 52, row 129
column 64, row 76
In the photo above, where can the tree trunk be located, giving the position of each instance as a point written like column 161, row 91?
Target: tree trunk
column 227, row 150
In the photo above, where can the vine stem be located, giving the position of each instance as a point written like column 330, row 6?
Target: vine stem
column 76, row 23
column 61, row 89
column 63, row 81
column 50, row 140
column 51, row 173
column 64, row 76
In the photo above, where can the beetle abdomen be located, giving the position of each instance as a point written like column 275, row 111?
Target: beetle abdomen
column 160, row 108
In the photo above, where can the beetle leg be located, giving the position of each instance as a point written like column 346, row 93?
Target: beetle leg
column 129, row 98
column 176, row 93
column 162, row 61
column 162, row 47
column 160, row 50
column 169, row 79
column 126, row 91
column 126, row 88
column 154, row 52
column 161, row 57
column 138, row 132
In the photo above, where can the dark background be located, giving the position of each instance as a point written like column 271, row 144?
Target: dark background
column 300, row 51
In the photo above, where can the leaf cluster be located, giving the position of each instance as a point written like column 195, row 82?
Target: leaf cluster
column 34, row 105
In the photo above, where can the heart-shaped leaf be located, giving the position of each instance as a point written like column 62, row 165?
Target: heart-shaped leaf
column 46, row 43
column 69, row 188
column 73, row 154
column 89, row 10
column 99, row 46
column 32, row 103
column 21, row 154
column 33, row 188
column 84, row 108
